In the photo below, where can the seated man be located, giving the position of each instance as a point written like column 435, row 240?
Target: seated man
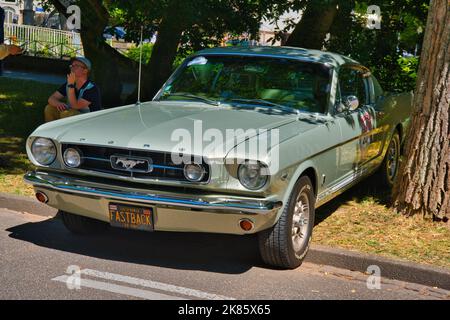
column 81, row 94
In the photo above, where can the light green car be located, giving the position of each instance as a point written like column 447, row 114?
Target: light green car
column 239, row 140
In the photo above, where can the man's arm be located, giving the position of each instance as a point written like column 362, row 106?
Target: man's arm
column 6, row 50
column 55, row 101
column 74, row 103
column 71, row 96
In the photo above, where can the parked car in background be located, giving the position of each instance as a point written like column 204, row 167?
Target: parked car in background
column 332, row 123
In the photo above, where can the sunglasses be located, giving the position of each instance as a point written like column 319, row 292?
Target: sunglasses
column 74, row 66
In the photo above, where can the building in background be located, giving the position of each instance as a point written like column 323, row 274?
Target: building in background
column 30, row 12
column 12, row 10
column 268, row 29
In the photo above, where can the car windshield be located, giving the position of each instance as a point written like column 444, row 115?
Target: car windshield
column 249, row 80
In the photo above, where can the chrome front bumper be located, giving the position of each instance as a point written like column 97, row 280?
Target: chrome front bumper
column 84, row 197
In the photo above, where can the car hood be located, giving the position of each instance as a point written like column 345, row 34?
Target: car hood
column 158, row 126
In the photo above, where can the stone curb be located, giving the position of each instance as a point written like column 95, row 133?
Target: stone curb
column 318, row 254
column 390, row 268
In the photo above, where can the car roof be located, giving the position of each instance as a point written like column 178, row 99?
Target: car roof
column 307, row 55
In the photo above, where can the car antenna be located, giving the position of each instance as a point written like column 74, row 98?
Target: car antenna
column 138, row 102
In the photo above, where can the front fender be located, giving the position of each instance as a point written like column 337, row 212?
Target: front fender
column 295, row 174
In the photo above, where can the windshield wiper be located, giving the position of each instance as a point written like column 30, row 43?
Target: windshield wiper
column 193, row 96
column 265, row 103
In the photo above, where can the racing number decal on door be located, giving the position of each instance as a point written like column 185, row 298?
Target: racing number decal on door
column 367, row 121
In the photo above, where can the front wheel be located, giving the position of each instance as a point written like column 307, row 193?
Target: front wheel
column 81, row 225
column 285, row 244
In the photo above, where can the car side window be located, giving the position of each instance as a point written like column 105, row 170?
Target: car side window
column 378, row 91
column 352, row 83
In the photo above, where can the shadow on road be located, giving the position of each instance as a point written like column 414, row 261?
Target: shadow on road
column 187, row 251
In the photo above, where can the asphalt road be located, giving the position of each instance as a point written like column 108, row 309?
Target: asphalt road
column 36, row 253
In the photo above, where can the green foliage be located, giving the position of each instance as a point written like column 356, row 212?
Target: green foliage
column 402, row 26
column 408, row 74
column 183, row 53
column 204, row 22
column 134, row 53
column 383, row 50
column 147, row 49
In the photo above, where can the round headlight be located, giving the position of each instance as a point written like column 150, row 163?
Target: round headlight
column 194, row 172
column 44, row 151
column 72, row 157
column 252, row 175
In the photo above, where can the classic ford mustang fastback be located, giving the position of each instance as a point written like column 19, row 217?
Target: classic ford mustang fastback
column 239, row 140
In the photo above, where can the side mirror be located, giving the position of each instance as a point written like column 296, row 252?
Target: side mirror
column 351, row 103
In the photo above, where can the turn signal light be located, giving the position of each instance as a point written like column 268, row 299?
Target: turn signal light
column 42, row 197
column 246, row 224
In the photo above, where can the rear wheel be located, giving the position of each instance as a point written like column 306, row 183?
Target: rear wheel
column 287, row 242
column 81, row 225
column 391, row 163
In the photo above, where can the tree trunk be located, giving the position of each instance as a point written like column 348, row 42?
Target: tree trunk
column 312, row 29
column 164, row 51
column 423, row 186
column 2, row 34
column 340, row 29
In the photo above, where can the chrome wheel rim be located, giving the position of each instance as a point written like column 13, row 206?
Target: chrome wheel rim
column 300, row 221
column 392, row 160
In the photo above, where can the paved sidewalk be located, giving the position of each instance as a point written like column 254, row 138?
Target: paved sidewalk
column 45, row 78
column 56, row 79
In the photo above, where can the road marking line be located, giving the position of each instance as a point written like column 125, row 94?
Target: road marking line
column 154, row 285
column 114, row 288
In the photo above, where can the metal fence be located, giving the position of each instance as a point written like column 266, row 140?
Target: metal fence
column 44, row 42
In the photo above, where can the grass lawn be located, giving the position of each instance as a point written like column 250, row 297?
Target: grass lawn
column 21, row 110
column 360, row 219
column 357, row 220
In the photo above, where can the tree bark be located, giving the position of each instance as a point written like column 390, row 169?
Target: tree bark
column 2, row 34
column 314, row 25
column 164, row 51
column 423, row 186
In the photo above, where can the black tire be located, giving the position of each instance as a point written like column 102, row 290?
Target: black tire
column 81, row 225
column 276, row 244
column 391, row 163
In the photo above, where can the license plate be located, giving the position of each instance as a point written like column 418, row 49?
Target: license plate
column 130, row 217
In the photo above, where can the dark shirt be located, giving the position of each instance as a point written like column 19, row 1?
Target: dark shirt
column 91, row 95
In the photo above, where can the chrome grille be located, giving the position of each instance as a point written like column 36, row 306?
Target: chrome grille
column 98, row 158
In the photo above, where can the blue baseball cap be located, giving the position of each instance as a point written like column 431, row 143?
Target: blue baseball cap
column 84, row 61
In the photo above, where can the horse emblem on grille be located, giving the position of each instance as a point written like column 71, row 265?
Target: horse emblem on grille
column 127, row 163
column 134, row 164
